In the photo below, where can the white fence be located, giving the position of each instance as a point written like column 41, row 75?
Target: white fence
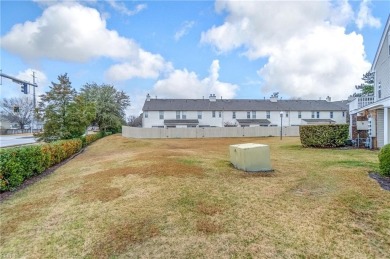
column 228, row 132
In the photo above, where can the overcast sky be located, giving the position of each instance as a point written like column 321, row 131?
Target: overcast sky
column 190, row 49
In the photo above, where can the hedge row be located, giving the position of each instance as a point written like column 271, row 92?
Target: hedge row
column 324, row 136
column 384, row 160
column 20, row 163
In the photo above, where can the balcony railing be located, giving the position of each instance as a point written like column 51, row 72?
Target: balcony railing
column 361, row 102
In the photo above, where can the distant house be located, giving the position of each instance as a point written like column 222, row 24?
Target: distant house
column 371, row 113
column 213, row 112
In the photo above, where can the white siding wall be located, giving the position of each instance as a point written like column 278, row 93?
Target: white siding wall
column 382, row 69
column 153, row 119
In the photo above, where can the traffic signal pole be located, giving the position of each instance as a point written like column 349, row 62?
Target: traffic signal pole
column 24, row 88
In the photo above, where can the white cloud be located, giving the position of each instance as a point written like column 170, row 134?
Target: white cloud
column 121, row 7
column 365, row 18
column 325, row 67
column 69, row 32
column 185, row 28
column 147, row 65
column 308, row 52
column 185, row 84
column 72, row 32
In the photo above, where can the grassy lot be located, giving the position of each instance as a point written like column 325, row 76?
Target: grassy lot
column 182, row 198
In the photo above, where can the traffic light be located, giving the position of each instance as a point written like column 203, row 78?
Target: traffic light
column 16, row 109
column 23, row 88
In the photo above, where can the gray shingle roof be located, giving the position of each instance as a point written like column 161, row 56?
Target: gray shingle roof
column 253, row 121
column 242, row 105
column 319, row 120
column 184, row 122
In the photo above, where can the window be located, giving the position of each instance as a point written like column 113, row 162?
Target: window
column 312, row 115
column 234, row 115
column 199, row 115
column 299, row 115
column 183, row 115
column 177, row 115
column 268, row 114
column 343, row 114
column 248, row 115
column 253, row 114
column 220, row 114
column 318, row 115
column 379, row 90
column 146, row 114
column 286, row 114
column 331, row 115
column 213, row 114
column 161, row 115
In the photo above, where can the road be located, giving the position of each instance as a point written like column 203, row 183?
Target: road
column 16, row 140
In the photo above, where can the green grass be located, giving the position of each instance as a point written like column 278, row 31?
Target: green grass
column 181, row 198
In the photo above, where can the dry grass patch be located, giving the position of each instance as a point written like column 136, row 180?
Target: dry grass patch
column 181, row 198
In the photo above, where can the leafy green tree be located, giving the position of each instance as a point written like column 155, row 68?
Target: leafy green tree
column 367, row 88
column 110, row 105
column 17, row 110
column 65, row 114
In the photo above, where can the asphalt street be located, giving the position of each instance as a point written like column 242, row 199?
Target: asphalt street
column 15, row 140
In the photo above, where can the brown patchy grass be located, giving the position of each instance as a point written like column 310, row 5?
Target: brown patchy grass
column 181, row 198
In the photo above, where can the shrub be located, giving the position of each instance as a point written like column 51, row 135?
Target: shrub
column 384, row 160
column 20, row 163
column 323, row 136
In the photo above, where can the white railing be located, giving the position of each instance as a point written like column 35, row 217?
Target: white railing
column 361, row 102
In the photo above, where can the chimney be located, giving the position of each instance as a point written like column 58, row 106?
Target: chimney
column 148, row 97
column 212, row 98
column 274, row 97
column 328, row 99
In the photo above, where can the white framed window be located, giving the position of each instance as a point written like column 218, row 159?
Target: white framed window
column 161, row 113
column 253, row 114
column 286, row 114
column 213, row 114
column 299, row 115
column 146, row 115
column 268, row 114
column 318, row 115
column 248, row 115
column 312, row 114
column 199, row 115
column 234, row 115
column 183, row 115
column 343, row 114
column 331, row 115
column 177, row 115
column 379, row 90
column 220, row 114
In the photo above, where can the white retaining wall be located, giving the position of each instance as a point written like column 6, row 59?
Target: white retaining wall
column 226, row 132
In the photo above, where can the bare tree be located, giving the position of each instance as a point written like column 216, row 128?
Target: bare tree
column 134, row 121
column 17, row 110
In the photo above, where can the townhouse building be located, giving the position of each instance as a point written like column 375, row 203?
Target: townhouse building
column 215, row 112
column 371, row 113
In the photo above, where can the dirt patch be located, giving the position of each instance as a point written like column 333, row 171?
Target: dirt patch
column 383, row 181
column 24, row 212
column 122, row 235
column 208, row 227
column 208, row 209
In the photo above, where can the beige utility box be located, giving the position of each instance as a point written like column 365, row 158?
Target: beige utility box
column 250, row 157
